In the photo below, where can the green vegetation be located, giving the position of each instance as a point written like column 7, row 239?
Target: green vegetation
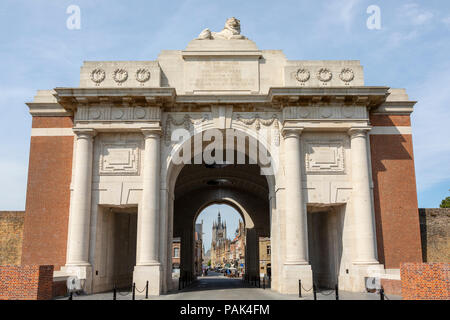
column 445, row 203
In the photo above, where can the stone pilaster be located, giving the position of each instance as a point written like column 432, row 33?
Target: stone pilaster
column 77, row 262
column 365, row 263
column 361, row 198
column 148, row 266
column 296, row 265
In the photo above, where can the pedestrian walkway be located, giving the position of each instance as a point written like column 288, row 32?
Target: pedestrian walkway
column 218, row 287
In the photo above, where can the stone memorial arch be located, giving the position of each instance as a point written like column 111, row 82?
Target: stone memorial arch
column 118, row 166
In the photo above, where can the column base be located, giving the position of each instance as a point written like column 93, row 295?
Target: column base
column 152, row 274
column 82, row 272
column 355, row 280
column 291, row 274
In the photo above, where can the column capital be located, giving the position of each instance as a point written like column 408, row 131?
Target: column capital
column 355, row 132
column 84, row 132
column 291, row 132
column 151, row 132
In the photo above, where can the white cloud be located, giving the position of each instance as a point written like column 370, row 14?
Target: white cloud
column 340, row 13
column 446, row 21
column 415, row 14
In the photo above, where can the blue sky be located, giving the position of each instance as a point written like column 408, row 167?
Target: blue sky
column 410, row 51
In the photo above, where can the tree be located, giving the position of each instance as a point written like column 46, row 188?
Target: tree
column 209, row 263
column 445, row 203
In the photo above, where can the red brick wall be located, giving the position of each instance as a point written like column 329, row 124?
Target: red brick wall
column 26, row 282
column 391, row 286
column 52, row 122
column 48, row 196
column 395, row 196
column 378, row 120
column 425, row 281
column 59, row 288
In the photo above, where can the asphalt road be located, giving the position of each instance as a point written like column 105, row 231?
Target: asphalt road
column 216, row 286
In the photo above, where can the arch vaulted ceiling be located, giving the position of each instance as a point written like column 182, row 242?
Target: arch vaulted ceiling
column 241, row 186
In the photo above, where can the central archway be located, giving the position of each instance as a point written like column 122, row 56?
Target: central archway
column 192, row 187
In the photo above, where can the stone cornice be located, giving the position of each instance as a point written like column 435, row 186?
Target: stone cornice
column 367, row 96
column 374, row 95
column 47, row 109
column 395, row 107
column 70, row 98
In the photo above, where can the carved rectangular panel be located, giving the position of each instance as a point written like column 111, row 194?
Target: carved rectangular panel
column 324, row 157
column 117, row 114
column 119, row 159
column 220, row 74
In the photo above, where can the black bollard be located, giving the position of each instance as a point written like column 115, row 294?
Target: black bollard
column 299, row 288
column 336, row 288
column 133, row 297
column 264, row 283
column 71, row 295
column 146, row 290
column 114, row 293
column 314, row 291
column 381, row 293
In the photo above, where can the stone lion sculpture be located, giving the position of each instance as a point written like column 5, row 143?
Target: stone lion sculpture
column 232, row 30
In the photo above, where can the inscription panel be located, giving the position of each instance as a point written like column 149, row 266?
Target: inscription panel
column 221, row 75
column 119, row 159
column 324, row 157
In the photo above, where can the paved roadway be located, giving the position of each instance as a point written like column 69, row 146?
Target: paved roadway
column 216, row 286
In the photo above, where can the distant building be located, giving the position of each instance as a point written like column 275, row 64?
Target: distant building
column 264, row 257
column 225, row 252
column 198, row 254
column 176, row 255
column 219, row 244
column 237, row 248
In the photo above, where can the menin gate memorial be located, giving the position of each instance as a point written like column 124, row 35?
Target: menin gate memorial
column 106, row 197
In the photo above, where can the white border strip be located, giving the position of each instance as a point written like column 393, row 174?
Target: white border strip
column 390, row 130
column 68, row 132
column 52, row 132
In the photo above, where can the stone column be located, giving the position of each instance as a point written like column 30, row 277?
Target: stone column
column 296, row 226
column 77, row 262
column 296, row 261
column 361, row 198
column 148, row 267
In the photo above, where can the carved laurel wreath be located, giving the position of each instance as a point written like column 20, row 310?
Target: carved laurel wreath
column 302, row 75
column 98, row 75
column 258, row 121
column 347, row 75
column 265, row 122
column 324, row 75
column 142, row 75
column 120, row 75
column 187, row 121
